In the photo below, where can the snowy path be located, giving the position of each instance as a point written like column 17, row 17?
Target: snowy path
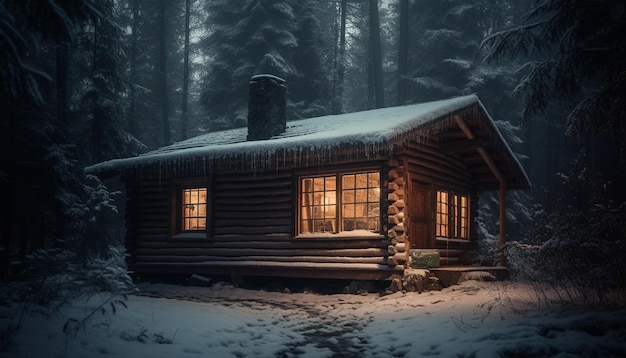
column 472, row 320
column 331, row 325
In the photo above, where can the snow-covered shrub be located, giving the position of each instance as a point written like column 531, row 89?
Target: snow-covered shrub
column 518, row 217
column 52, row 277
column 79, row 263
column 84, row 261
column 94, row 220
column 575, row 254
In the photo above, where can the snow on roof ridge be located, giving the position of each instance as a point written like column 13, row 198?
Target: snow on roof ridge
column 370, row 127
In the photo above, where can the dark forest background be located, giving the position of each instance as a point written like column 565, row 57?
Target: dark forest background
column 83, row 81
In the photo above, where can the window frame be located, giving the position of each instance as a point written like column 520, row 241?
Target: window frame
column 458, row 214
column 176, row 208
column 339, row 200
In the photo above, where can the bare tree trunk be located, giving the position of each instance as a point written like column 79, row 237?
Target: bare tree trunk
column 403, row 52
column 184, row 119
column 163, row 75
column 97, row 123
column 376, row 54
column 132, row 116
column 341, row 61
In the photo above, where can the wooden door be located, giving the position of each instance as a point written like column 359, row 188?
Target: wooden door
column 420, row 215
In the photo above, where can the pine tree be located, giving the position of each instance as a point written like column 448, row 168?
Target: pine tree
column 310, row 86
column 37, row 160
column 248, row 37
column 98, row 62
column 155, row 68
column 576, row 49
column 445, row 37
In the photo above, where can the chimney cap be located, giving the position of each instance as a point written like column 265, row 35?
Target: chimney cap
column 267, row 77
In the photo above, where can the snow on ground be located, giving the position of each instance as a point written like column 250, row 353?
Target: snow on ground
column 474, row 319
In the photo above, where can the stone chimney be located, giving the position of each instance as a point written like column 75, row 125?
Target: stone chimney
column 267, row 100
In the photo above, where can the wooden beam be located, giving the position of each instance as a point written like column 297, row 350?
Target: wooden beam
column 491, row 164
column 464, row 128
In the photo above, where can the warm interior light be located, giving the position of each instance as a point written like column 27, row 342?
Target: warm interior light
column 194, row 203
column 452, row 216
column 358, row 203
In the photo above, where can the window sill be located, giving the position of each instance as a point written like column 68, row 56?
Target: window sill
column 191, row 236
column 355, row 234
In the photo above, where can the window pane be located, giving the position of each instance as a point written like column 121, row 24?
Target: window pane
column 331, row 183
column 373, row 224
column 373, row 195
column 330, row 197
column 361, row 210
column 374, row 179
column 348, row 196
column 441, row 225
column 361, row 180
column 318, row 184
column 373, row 210
column 307, row 185
column 306, row 199
column 348, row 181
column 361, row 195
column 330, row 204
column 348, row 211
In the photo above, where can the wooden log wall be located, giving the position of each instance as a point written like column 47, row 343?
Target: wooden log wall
column 423, row 162
column 251, row 233
column 253, row 205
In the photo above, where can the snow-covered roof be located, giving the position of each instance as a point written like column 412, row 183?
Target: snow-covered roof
column 315, row 141
column 372, row 127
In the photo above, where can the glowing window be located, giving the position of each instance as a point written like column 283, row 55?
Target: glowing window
column 356, row 207
column 452, row 215
column 194, row 209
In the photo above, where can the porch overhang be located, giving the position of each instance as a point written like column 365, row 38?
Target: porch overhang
column 480, row 148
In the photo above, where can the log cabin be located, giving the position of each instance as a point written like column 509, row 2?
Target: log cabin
column 352, row 196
